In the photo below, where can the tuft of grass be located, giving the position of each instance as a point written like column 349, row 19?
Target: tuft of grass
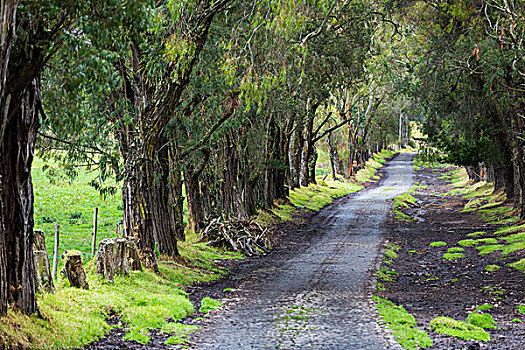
column 438, row 244
column 492, row 268
column 487, row 249
column 476, row 234
column 458, row 329
column 518, row 265
column 521, row 308
column 453, row 256
column 485, row 321
column 455, row 250
column 484, row 307
column 516, row 320
column 401, row 202
column 208, row 304
column 390, row 251
column 468, row 242
column 386, row 274
column 403, row 325
column 178, row 332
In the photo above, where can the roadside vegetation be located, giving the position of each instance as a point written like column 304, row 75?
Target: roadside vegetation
column 499, row 248
column 142, row 301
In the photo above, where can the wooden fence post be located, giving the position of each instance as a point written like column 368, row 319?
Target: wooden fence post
column 94, row 238
column 55, row 254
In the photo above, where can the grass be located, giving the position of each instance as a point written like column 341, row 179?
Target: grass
column 208, row 304
column 453, row 256
column 74, row 317
column 403, row 325
column 485, row 321
column 455, row 249
column 403, row 201
column 492, row 268
column 459, row 329
column 70, row 204
column 476, row 234
column 438, row 244
column 487, row 249
column 484, row 307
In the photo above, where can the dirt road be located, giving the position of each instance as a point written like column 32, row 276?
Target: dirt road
column 321, row 296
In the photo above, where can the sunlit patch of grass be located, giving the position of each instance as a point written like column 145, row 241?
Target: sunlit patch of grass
column 476, row 234
column 483, row 320
column 487, row 249
column 178, row 332
column 453, row 256
column 484, row 307
column 403, row 325
column 492, row 268
column 75, row 317
column 459, row 329
column 438, row 244
column 518, row 265
column 208, row 304
column 455, row 249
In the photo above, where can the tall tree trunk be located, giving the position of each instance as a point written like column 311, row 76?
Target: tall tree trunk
column 308, row 149
column 16, row 206
column 295, row 153
column 332, row 153
column 7, row 34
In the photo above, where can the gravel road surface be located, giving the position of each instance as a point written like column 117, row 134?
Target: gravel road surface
column 320, row 298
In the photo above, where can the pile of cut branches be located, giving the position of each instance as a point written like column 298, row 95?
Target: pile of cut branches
column 246, row 236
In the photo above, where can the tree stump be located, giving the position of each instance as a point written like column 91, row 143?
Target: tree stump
column 117, row 256
column 121, row 257
column 132, row 254
column 43, row 277
column 74, row 270
column 105, row 260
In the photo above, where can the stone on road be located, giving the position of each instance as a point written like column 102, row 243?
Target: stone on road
column 321, row 297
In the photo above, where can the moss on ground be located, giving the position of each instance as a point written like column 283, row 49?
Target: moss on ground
column 403, row 325
column 459, row 329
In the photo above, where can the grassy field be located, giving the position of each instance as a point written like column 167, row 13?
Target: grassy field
column 70, row 204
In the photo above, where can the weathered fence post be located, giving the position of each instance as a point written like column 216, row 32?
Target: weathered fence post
column 94, row 238
column 55, row 252
column 44, row 280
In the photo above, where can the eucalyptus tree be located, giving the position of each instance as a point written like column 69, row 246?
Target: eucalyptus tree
column 30, row 34
column 472, row 85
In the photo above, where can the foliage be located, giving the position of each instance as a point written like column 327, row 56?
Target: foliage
column 438, row 244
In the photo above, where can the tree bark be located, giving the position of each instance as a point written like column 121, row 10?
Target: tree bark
column 16, row 207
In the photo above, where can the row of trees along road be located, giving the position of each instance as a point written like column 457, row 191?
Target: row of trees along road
column 466, row 76
column 230, row 99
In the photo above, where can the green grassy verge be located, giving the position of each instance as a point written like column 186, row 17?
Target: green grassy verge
column 74, row 317
column 403, row 325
